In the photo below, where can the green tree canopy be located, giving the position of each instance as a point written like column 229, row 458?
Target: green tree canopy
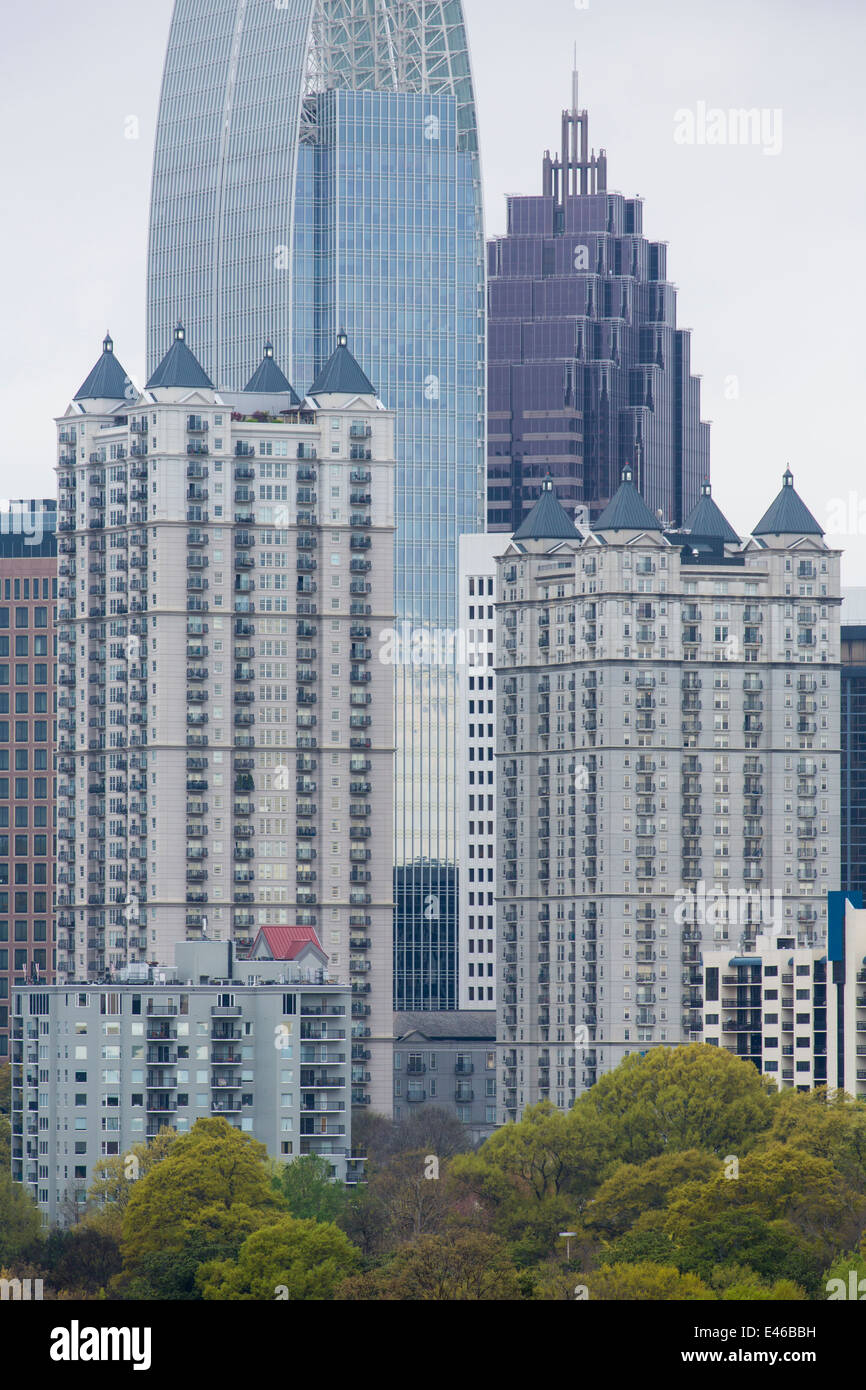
column 826, row 1123
column 644, row 1282
column 548, row 1153
column 309, row 1190
column 636, row 1188
column 695, row 1097
column 114, row 1179
column 20, row 1222
column 213, row 1186
column 302, row 1259
column 472, row 1266
column 777, row 1182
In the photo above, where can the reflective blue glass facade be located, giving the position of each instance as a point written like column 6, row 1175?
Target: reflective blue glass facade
column 317, row 168
column 588, row 369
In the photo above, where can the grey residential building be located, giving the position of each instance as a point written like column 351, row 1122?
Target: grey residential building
column 448, row 1060
column 668, row 770
column 98, row 1068
column 226, row 735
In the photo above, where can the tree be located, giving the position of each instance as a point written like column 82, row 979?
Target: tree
column 738, row 1283
column 825, row 1123
column 171, row 1276
column 413, row 1204
column 841, row 1269
column 532, row 1229
column 644, row 1282
column 432, row 1129
column 472, row 1267
column 89, row 1262
column 548, row 1153
column 288, row 1259
column 778, row 1183
column 20, row 1222
column 649, row 1243
column 309, row 1190
column 636, row 1188
column 365, row 1221
column 695, row 1097
column 772, row 1249
column 372, row 1136
column 114, row 1180
column 212, row 1187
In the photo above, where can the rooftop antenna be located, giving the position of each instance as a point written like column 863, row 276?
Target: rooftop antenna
column 574, row 82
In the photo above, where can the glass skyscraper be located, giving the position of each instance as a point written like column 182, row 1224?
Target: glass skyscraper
column 588, row 370
column 317, row 169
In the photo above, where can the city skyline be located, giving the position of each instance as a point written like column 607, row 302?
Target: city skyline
column 720, row 209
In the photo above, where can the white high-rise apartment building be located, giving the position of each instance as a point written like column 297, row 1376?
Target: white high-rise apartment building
column 225, row 735
column 797, row 1012
column 668, row 771
column 476, row 694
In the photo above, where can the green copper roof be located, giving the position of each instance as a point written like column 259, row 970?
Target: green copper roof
column 789, row 515
column 180, row 367
column 626, row 510
column 548, row 520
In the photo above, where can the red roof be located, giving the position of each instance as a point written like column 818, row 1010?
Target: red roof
column 286, row 943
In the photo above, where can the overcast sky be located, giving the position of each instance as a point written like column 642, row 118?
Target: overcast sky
column 768, row 250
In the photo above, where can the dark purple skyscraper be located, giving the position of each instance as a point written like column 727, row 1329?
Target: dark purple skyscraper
column 588, row 370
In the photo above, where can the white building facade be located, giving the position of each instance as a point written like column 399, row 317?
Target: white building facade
column 225, row 736
column 476, row 686
column 668, row 771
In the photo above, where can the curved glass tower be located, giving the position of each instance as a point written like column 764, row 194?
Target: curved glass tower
column 317, row 168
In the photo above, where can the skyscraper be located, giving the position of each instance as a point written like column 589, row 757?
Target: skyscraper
column 668, row 771
column 588, row 370
column 226, row 748
column 28, row 597
column 317, row 167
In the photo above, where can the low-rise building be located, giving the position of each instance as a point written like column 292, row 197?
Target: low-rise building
column 98, row 1068
column 797, row 1012
column 447, row 1060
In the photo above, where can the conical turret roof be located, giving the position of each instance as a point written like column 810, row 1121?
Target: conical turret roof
column 707, row 522
column 788, row 515
column 269, row 380
column 626, row 510
column 180, row 367
column 341, row 375
column 548, row 520
column 108, row 381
